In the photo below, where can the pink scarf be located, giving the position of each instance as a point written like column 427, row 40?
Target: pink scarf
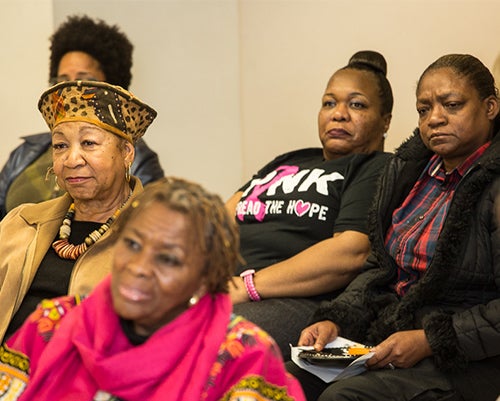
column 90, row 352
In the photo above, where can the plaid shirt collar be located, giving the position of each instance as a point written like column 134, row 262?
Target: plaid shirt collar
column 436, row 163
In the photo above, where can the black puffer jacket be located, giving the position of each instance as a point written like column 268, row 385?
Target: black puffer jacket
column 457, row 301
column 146, row 164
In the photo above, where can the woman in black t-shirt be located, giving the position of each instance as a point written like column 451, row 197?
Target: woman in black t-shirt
column 303, row 216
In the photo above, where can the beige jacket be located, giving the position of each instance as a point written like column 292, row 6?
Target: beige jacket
column 26, row 233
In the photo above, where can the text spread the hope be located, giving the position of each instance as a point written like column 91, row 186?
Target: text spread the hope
column 291, row 181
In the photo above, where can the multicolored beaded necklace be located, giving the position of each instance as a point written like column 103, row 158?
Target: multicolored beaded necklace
column 65, row 249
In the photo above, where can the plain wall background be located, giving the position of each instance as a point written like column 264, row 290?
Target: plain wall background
column 236, row 82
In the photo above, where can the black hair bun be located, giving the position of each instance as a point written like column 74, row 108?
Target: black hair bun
column 371, row 59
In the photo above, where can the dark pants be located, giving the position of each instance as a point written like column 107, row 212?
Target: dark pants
column 420, row 383
column 481, row 380
column 282, row 318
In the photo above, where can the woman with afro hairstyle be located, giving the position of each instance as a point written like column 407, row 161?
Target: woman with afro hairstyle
column 106, row 44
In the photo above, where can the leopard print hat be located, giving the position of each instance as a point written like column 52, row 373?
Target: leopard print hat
column 108, row 106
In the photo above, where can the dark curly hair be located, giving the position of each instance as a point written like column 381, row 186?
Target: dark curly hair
column 106, row 43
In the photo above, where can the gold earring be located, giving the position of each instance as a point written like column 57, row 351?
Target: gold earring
column 128, row 172
column 56, row 185
column 50, row 171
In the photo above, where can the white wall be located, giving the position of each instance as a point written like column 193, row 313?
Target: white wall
column 236, row 82
column 291, row 47
column 25, row 26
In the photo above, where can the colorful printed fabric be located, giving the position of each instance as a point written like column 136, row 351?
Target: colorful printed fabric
column 204, row 354
column 108, row 106
column 14, row 373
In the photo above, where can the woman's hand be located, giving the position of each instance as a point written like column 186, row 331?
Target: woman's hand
column 401, row 350
column 319, row 334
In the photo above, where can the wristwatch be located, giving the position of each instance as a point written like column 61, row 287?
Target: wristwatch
column 247, row 277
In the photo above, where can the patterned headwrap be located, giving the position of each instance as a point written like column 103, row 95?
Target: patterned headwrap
column 108, row 106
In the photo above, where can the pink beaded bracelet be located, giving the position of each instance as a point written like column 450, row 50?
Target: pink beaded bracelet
column 247, row 277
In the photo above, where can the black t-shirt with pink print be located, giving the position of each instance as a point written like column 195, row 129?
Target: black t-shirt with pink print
column 300, row 198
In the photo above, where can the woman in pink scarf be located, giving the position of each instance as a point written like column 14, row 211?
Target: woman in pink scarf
column 161, row 326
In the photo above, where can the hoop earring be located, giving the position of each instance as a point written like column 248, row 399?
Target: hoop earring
column 55, row 190
column 50, row 171
column 128, row 172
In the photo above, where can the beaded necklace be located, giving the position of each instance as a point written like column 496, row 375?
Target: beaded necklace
column 65, row 249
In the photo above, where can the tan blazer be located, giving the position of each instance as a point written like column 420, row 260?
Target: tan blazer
column 26, row 233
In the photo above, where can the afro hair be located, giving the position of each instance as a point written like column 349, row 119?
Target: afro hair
column 107, row 44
